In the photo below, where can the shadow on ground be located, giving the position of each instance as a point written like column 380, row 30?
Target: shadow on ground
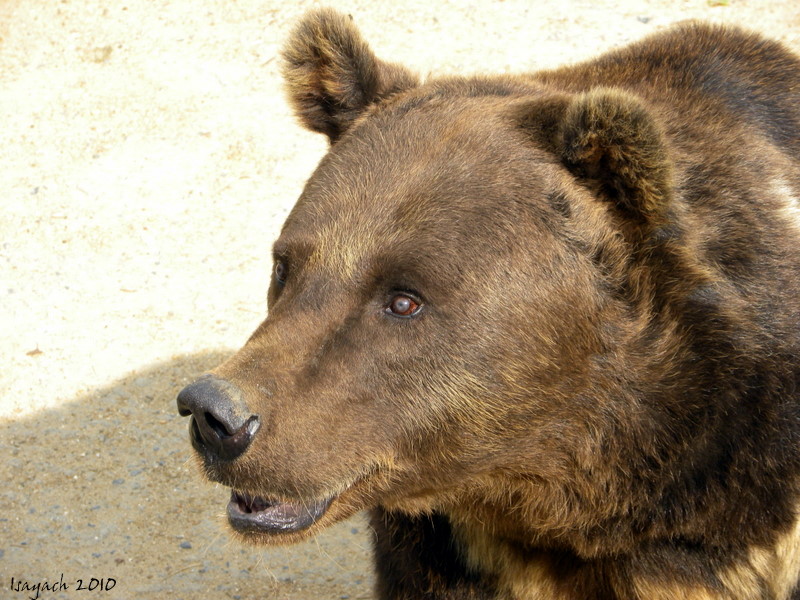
column 105, row 488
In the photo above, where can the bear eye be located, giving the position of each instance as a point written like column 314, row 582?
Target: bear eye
column 403, row 305
column 281, row 270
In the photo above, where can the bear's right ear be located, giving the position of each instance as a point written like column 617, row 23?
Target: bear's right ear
column 332, row 76
column 609, row 139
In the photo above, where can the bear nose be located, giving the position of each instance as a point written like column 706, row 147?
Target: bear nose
column 221, row 426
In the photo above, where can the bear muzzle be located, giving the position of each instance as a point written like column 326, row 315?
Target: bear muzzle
column 221, row 429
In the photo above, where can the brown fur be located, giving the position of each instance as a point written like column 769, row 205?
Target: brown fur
column 599, row 395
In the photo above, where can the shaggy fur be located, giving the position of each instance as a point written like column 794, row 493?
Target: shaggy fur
column 597, row 397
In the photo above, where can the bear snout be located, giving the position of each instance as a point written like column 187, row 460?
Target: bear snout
column 221, row 426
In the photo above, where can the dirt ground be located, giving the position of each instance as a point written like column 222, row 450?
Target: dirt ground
column 148, row 160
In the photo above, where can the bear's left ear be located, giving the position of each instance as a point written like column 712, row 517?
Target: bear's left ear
column 332, row 76
column 609, row 139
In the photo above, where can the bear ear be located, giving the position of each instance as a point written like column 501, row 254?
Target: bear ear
column 609, row 139
column 332, row 76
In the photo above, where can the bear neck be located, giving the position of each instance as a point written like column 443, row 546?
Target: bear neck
column 665, row 471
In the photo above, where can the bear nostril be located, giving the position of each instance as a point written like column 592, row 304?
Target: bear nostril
column 209, row 435
column 218, row 427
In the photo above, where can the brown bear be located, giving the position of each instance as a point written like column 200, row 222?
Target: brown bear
column 545, row 328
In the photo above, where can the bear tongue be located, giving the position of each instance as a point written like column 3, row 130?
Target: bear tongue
column 252, row 513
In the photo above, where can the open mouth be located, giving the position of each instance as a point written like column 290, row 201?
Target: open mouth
column 255, row 514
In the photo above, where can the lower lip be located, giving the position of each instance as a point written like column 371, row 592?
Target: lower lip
column 273, row 517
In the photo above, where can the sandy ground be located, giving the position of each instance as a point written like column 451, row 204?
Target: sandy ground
column 148, row 159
